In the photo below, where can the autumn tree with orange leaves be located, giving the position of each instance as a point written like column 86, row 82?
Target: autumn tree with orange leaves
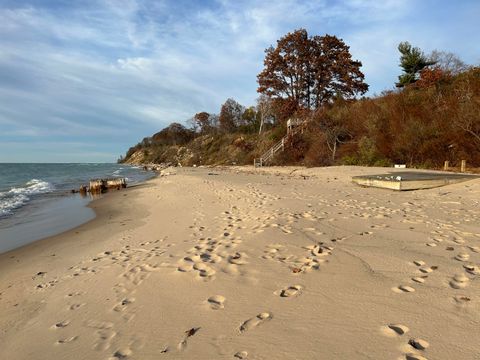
column 310, row 71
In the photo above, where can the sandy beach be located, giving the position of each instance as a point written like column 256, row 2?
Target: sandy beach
column 239, row 263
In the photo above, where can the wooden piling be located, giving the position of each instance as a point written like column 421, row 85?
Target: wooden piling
column 97, row 186
column 116, row 183
column 445, row 166
column 463, row 166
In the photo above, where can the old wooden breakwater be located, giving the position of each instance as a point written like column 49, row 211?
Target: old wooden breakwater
column 98, row 186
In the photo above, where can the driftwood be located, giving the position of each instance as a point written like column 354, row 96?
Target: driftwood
column 97, row 186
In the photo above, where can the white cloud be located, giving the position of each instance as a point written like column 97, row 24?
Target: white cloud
column 128, row 68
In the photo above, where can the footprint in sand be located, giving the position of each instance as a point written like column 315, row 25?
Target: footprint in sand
column 412, row 356
column 73, row 294
column 185, row 267
column 66, row 340
column 241, row 355
column 462, row 299
column 462, row 257
column 121, row 354
column 76, row 306
column 104, row 338
column 392, row 330
column 420, row 279
column 318, row 250
column 204, row 270
column 61, row 324
column 122, row 306
column 255, row 321
column 290, row 291
column 459, row 281
column 397, row 330
column 425, row 269
column 472, row 269
column 216, row 302
column 104, row 333
column 475, row 249
column 183, row 344
column 46, row 285
column 237, row 259
column 417, row 344
column 403, row 289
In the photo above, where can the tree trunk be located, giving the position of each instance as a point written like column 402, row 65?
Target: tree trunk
column 334, row 150
column 261, row 124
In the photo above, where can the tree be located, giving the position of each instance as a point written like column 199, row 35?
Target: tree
column 448, row 62
column 412, row 61
column 230, row 115
column 336, row 75
column 264, row 110
column 467, row 93
column 333, row 123
column 174, row 134
column 431, row 76
column 202, row 119
column 249, row 118
column 310, row 71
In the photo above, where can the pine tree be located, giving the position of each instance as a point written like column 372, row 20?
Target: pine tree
column 412, row 61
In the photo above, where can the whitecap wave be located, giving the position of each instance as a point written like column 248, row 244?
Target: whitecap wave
column 17, row 197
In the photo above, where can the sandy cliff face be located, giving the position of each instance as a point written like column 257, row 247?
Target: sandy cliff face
column 138, row 157
column 204, row 150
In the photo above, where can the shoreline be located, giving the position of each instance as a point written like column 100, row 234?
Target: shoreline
column 62, row 213
column 101, row 206
column 252, row 262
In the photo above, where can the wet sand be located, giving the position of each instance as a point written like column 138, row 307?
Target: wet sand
column 241, row 263
column 44, row 218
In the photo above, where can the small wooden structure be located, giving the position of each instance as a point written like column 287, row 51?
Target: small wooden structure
column 294, row 126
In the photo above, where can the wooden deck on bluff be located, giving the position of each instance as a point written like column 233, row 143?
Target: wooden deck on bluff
column 411, row 180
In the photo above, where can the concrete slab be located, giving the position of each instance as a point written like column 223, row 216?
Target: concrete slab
column 411, row 180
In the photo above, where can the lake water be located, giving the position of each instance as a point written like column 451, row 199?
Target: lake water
column 36, row 199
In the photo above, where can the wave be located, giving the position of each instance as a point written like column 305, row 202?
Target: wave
column 117, row 172
column 17, row 197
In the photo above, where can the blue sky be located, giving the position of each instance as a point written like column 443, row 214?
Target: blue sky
column 81, row 81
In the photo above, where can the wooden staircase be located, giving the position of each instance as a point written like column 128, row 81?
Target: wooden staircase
column 293, row 127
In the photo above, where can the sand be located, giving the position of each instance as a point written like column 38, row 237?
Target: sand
column 238, row 263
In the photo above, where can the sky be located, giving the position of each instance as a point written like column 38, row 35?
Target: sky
column 82, row 81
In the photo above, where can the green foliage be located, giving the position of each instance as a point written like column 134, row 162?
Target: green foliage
column 412, row 61
column 367, row 151
column 350, row 160
column 277, row 132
